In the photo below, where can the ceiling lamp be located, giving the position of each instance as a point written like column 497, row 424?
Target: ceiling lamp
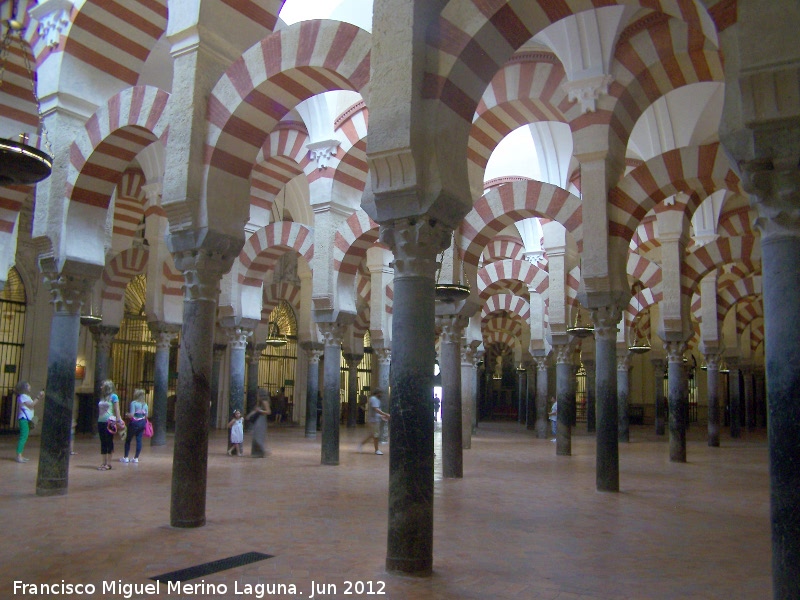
column 639, row 343
column 92, row 318
column 456, row 291
column 274, row 337
column 579, row 328
column 21, row 163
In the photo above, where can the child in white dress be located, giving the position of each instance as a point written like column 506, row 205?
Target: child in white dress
column 236, row 425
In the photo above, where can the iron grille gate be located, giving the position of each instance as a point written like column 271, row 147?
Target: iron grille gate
column 12, row 334
column 277, row 368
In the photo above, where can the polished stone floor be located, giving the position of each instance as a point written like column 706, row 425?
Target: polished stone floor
column 523, row 523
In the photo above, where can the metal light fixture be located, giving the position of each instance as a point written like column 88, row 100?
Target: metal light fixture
column 456, row 291
column 92, row 318
column 21, row 163
column 640, row 344
column 579, row 329
column 274, row 337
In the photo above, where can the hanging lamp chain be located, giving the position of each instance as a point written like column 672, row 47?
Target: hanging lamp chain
column 14, row 29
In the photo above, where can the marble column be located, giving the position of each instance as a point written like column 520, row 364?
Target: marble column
column 564, row 370
column 383, row 357
column 749, row 398
column 480, row 369
column 712, row 377
column 218, row 353
column 530, row 395
column 163, row 334
column 468, row 382
column 415, row 243
column 623, row 393
column 103, row 336
column 760, row 389
column 659, row 366
column 451, row 328
column 735, row 396
column 332, row 334
column 315, row 351
column 779, row 222
column 253, row 358
column 677, row 400
column 352, row 361
column 606, row 320
column 67, row 292
column 237, row 346
column 522, row 403
column 541, row 398
column 202, row 269
column 591, row 383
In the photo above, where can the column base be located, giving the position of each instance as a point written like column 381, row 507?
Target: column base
column 412, row 567
column 193, row 523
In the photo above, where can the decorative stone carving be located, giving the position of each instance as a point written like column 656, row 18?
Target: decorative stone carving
column 606, row 320
column 415, row 242
column 103, row 336
column 163, row 334
column 237, row 337
column 776, row 185
column 383, row 355
column 587, row 91
column 53, row 17
column 675, row 351
column 332, row 333
column 451, row 328
column 623, row 362
column 322, row 151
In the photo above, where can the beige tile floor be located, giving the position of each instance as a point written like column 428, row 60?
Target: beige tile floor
column 522, row 523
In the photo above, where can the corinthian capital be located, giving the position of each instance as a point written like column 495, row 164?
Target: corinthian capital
column 415, row 242
column 775, row 185
column 606, row 319
column 163, row 333
column 451, row 328
column 103, row 336
column 675, row 351
column 332, row 333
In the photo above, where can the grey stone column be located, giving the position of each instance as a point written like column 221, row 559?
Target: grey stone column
column 591, row 383
column 67, row 291
column 451, row 328
column 314, row 351
column 218, row 351
column 530, row 395
column 659, row 366
column 522, row 401
column 564, row 370
column 103, row 336
column 677, row 400
column 253, row 358
column 163, row 334
column 415, row 243
column 202, row 269
column 383, row 357
column 735, row 396
column 479, row 383
column 332, row 334
column 237, row 346
column 712, row 377
column 468, row 381
column 760, row 389
column 749, row 398
column 352, row 361
column 623, row 393
column 606, row 320
column 541, row 398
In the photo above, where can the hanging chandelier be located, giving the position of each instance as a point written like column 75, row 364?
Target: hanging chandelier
column 20, row 162
column 456, row 291
column 579, row 328
column 274, row 337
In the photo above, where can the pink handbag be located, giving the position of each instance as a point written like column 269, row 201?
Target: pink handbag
column 148, row 428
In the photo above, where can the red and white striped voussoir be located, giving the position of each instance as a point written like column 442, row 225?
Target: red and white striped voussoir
column 275, row 75
column 509, row 270
column 11, row 200
column 505, row 321
column 389, row 295
column 501, row 248
column 129, row 203
column 274, row 293
column 640, row 303
column 698, row 171
column 747, row 311
column 735, row 291
column 507, row 302
column 501, row 338
column 358, row 233
column 644, row 270
column 267, row 244
column 111, row 138
column 172, row 279
column 722, row 251
column 121, row 269
column 506, row 204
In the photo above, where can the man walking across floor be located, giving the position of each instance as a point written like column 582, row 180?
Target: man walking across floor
column 374, row 417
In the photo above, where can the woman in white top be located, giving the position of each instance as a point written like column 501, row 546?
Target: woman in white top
column 107, row 411
column 25, row 415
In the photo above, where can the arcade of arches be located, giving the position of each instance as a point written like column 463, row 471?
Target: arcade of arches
column 242, row 198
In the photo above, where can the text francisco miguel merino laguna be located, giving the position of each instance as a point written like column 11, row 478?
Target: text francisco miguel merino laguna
column 258, row 590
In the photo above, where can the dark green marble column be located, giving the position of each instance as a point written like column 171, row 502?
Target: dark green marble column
column 332, row 334
column 606, row 320
column 677, row 400
column 163, row 334
column 451, row 327
column 312, row 387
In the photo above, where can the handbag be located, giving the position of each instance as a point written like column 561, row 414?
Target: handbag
column 148, row 428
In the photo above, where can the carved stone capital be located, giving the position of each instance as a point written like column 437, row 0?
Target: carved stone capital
column 219, row 351
column 203, row 256
column 563, row 354
column 237, row 337
column 451, row 328
column 675, row 351
column 606, row 320
column 54, row 21
column 352, row 360
column 321, row 152
column 712, row 361
column 623, row 362
column 332, row 333
column 588, row 90
column 415, row 242
column 383, row 355
column 103, row 336
column 775, row 185
column 70, row 286
column 163, row 333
